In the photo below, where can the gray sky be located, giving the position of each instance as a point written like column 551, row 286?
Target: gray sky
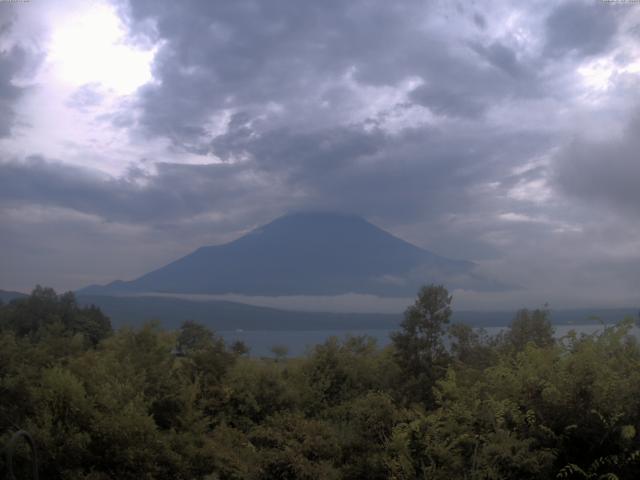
column 503, row 132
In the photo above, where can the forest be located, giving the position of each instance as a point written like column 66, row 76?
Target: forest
column 442, row 401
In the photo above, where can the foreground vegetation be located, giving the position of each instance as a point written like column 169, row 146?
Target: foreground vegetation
column 150, row 404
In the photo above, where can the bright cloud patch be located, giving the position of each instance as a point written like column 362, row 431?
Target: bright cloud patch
column 90, row 47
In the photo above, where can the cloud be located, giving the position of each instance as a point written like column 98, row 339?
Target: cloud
column 502, row 58
column 20, row 58
column 604, row 173
column 441, row 123
column 173, row 192
column 581, row 27
column 480, row 21
column 448, row 102
column 366, row 171
column 86, row 97
column 11, row 62
column 305, row 65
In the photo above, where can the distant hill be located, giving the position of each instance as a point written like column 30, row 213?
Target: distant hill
column 223, row 315
column 305, row 254
column 6, row 295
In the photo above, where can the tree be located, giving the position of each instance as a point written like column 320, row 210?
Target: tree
column 44, row 311
column 532, row 327
column 290, row 446
column 205, row 361
column 470, row 346
column 92, row 323
column 419, row 349
column 194, row 336
column 240, row 348
column 280, row 352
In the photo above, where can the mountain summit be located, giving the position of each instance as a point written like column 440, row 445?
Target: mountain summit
column 302, row 254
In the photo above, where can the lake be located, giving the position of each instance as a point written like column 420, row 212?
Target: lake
column 299, row 341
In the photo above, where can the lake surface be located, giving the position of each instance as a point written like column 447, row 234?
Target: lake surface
column 299, row 342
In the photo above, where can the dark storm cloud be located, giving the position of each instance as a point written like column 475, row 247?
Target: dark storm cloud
column 247, row 56
column 242, row 58
column 247, row 53
column 581, row 27
column 473, row 88
column 605, row 173
column 175, row 191
column 299, row 155
column 420, row 173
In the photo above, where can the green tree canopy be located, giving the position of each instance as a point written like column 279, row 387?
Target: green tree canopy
column 530, row 326
column 419, row 349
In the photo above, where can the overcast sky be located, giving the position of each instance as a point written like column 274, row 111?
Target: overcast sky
column 503, row 132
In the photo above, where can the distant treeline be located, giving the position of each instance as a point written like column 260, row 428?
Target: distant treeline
column 145, row 403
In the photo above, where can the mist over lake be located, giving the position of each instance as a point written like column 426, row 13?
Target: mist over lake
column 299, row 342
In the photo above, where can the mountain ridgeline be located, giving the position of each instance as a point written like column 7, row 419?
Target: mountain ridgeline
column 6, row 296
column 304, row 254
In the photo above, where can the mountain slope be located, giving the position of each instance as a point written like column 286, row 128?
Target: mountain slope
column 7, row 296
column 310, row 253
